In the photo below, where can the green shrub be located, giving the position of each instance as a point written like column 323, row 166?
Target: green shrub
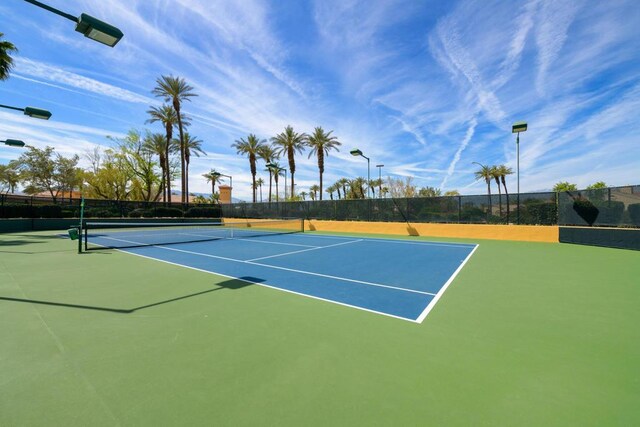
column 136, row 213
column 17, row 211
column 101, row 213
column 162, row 212
column 48, row 211
column 204, row 212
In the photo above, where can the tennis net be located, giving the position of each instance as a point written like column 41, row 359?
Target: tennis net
column 120, row 235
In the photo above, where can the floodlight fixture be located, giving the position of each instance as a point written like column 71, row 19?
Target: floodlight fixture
column 13, row 142
column 91, row 27
column 34, row 112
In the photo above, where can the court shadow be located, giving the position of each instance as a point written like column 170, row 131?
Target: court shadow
column 412, row 231
column 231, row 284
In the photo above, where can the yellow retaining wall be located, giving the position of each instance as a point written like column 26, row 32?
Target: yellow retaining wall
column 527, row 233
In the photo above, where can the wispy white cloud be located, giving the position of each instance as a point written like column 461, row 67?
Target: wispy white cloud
column 60, row 76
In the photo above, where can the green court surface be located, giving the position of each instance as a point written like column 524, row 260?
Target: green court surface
column 527, row 334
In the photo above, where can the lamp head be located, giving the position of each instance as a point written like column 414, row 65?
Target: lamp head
column 37, row 113
column 356, row 152
column 98, row 30
column 14, row 142
column 519, row 127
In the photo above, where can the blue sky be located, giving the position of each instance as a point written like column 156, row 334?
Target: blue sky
column 423, row 87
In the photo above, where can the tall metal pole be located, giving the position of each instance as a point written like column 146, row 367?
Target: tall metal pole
column 380, row 180
column 518, row 169
column 285, row 184
column 368, row 178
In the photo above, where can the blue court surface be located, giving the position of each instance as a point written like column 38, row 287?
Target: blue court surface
column 398, row 278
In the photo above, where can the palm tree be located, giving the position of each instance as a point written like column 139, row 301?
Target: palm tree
column 373, row 184
column 289, row 142
column 176, row 90
column 157, row 144
column 343, row 182
column 321, row 143
column 357, row 187
column 314, row 191
column 192, row 146
column 495, row 173
column 167, row 116
column 259, row 183
column 277, row 172
column 336, row 187
column 213, row 177
column 251, row 147
column 503, row 170
column 6, row 61
column 304, row 195
column 330, row 189
column 268, row 154
column 485, row 173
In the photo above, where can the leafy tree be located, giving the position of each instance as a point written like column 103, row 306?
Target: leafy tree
column 399, row 188
column 192, row 146
column 167, row 116
column 564, row 186
column 597, row 186
column 137, row 155
column 451, row 193
column 113, row 179
column 9, row 177
column 289, row 142
column 6, row 61
column 44, row 172
column 176, row 90
column 429, row 192
column 321, row 143
column 251, row 147
column 268, row 154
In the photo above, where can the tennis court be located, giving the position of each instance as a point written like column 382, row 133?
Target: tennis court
column 525, row 334
column 397, row 278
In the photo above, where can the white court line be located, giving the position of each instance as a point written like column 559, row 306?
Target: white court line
column 304, row 250
column 374, row 239
column 435, row 299
column 280, row 268
column 242, row 239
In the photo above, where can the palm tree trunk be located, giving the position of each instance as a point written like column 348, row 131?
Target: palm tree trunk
column 321, row 168
column 489, row 195
column 186, row 181
column 499, row 198
column 176, row 106
column 506, row 194
column 168, row 170
column 270, row 182
column 292, row 168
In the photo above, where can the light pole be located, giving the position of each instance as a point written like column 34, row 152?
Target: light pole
column 36, row 113
column 218, row 174
column 356, row 152
column 91, row 27
column 380, row 180
column 517, row 128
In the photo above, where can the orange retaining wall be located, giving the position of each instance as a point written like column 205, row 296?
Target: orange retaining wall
column 526, row 233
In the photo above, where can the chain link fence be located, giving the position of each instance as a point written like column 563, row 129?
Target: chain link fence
column 611, row 207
